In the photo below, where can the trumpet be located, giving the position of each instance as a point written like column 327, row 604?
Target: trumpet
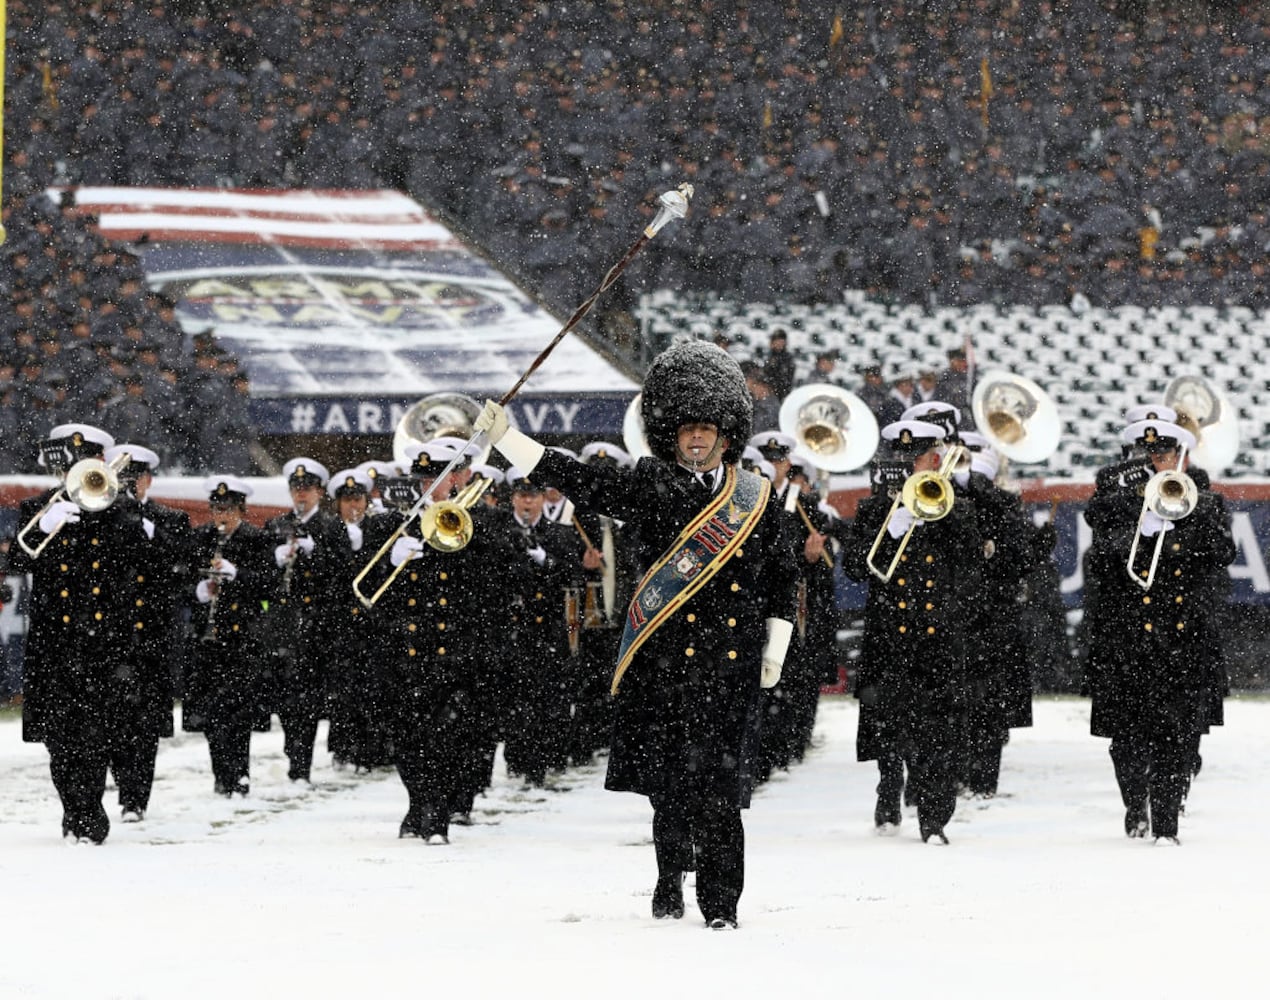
column 214, row 575
column 928, row 496
column 446, row 526
column 90, row 484
column 1171, row 495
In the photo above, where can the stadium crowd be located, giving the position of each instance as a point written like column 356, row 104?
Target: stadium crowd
column 929, row 153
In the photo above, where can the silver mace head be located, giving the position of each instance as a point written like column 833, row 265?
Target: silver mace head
column 674, row 205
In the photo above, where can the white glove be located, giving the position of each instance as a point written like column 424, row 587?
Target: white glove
column 900, row 522
column 779, row 633
column 62, row 512
column 202, row 592
column 538, row 554
column 227, row 569
column 1153, row 524
column 493, row 421
column 282, row 553
column 355, row 536
column 405, row 548
column 148, row 526
column 962, row 477
column 305, row 544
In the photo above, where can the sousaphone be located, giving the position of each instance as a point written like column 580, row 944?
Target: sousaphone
column 1206, row 413
column 443, row 414
column 633, row 430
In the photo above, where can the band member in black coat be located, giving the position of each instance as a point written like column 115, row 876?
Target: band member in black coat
column 227, row 694
column 912, row 673
column 314, row 557
column 435, row 616
column 1155, row 653
column 711, row 621
column 357, row 735
column 165, row 581
column 1000, row 681
column 80, row 680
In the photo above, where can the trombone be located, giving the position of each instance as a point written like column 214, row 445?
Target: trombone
column 90, row 484
column 928, row 496
column 446, row 526
column 1171, row 495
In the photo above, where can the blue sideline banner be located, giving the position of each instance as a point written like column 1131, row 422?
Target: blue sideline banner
column 1250, row 581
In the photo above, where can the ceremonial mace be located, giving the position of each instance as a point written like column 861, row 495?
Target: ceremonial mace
column 673, row 205
column 3, row 29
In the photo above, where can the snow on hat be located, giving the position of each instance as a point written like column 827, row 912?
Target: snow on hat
column 695, row 382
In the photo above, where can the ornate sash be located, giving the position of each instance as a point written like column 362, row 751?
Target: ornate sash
column 700, row 551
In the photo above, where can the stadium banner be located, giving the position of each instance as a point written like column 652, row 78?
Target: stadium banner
column 593, row 415
column 342, row 305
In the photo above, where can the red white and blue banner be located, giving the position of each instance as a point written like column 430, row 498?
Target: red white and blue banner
column 347, row 306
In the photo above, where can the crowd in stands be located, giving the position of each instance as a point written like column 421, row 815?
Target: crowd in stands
column 987, row 151
column 82, row 340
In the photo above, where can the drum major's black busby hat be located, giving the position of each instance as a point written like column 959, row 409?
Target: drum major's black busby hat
column 695, row 382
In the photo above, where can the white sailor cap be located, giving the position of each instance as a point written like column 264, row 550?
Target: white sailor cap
column 974, row 441
column 565, row 451
column 520, row 482
column 68, row 442
column 766, row 469
column 226, row 489
column 985, row 462
column 457, row 446
column 348, row 482
column 137, row 455
column 750, row 457
column 605, row 453
column 1159, row 435
column 933, row 411
column 86, row 432
column 482, row 471
column 1150, row 411
column 912, row 436
column 428, row 458
column 800, row 460
column 379, row 470
column 305, row 472
column 774, row 445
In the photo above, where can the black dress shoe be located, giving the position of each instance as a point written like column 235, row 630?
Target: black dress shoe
column 886, row 815
column 412, row 825
column 668, row 896
column 1136, row 823
column 721, row 923
column 938, row 836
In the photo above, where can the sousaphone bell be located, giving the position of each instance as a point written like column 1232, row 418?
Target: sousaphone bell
column 1017, row 416
column 835, row 427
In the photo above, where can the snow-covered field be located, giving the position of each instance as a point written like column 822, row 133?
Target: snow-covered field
column 311, row 894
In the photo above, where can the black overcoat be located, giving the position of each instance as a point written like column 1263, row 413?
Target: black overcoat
column 686, row 716
column 913, row 653
column 1156, row 650
column 229, row 682
column 79, row 673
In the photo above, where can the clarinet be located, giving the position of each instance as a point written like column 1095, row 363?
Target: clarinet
column 215, row 575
